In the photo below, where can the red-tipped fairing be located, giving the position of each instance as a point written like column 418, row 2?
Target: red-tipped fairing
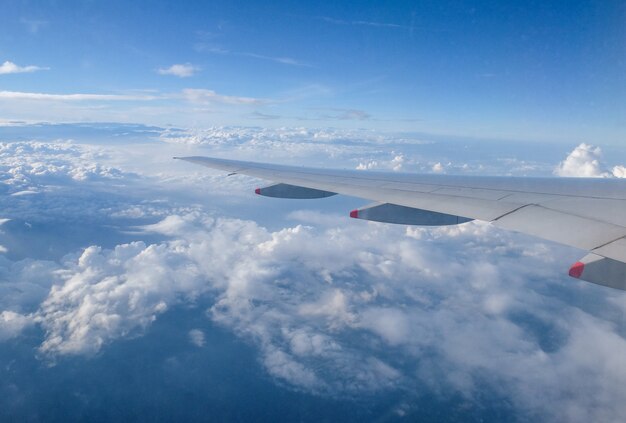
column 576, row 271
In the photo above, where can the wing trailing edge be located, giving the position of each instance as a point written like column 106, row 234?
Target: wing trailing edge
column 579, row 212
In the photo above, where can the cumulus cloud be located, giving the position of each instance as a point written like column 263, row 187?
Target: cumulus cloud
column 180, row 70
column 396, row 163
column 109, row 294
column 27, row 167
column 327, row 316
column 583, row 161
column 586, row 161
column 619, row 171
column 438, row 168
column 9, row 67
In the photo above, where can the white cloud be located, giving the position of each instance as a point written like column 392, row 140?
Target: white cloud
column 438, row 168
column 333, row 306
column 191, row 106
column 28, row 167
column 391, row 324
column 202, row 96
column 199, row 96
column 396, row 163
column 325, row 316
column 107, row 294
column 12, row 324
column 18, row 95
column 197, row 338
column 180, row 70
column 9, row 67
column 371, row 164
column 619, row 171
column 586, row 161
column 583, row 161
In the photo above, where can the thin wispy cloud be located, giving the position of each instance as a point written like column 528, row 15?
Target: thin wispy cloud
column 282, row 60
column 362, row 23
column 180, row 106
column 33, row 25
column 328, row 114
column 180, row 70
column 203, row 96
column 19, row 95
column 307, row 91
column 336, row 113
column 349, row 114
column 264, row 116
column 9, row 67
column 215, row 49
column 192, row 95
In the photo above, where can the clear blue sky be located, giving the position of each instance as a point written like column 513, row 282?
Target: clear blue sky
column 522, row 70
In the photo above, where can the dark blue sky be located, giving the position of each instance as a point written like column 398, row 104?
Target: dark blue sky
column 521, row 70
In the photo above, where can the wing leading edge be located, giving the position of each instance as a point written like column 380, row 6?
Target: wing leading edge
column 583, row 213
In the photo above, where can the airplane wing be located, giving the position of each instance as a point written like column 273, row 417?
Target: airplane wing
column 589, row 214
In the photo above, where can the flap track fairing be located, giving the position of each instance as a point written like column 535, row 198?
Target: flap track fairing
column 392, row 213
column 292, row 191
column 600, row 270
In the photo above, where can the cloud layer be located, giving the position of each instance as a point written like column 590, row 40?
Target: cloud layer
column 376, row 310
column 332, row 306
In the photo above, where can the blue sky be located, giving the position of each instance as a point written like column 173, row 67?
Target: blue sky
column 514, row 70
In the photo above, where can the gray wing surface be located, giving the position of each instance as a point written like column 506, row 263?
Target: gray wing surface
column 589, row 214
